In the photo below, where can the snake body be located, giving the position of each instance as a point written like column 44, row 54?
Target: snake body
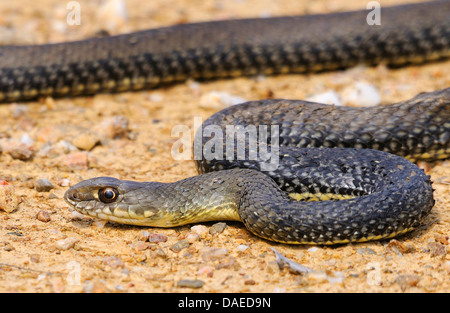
column 330, row 184
column 151, row 58
column 347, row 194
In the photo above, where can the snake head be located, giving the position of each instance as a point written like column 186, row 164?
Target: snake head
column 109, row 198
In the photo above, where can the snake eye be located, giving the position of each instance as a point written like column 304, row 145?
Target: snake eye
column 108, row 195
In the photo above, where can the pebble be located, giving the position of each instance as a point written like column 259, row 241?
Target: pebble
column 365, row 251
column 190, row 283
column 437, row 249
column 112, row 128
column 179, row 245
column 43, row 216
column 399, row 247
column 200, row 230
column 217, row 228
column 219, row 99
column 74, row 161
column 213, row 254
column 330, row 97
column 17, row 150
column 26, row 140
column 43, row 185
column 66, row 244
column 191, row 238
column 113, row 15
column 361, row 94
column 206, row 270
column 85, row 141
column 8, row 198
column 156, row 238
column 242, row 247
column 143, row 235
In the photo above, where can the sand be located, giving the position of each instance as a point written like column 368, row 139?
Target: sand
column 44, row 247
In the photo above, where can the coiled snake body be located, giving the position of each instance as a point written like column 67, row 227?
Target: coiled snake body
column 330, row 185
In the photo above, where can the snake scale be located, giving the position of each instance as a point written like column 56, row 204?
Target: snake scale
column 342, row 174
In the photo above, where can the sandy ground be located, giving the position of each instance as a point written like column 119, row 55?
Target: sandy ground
column 44, row 247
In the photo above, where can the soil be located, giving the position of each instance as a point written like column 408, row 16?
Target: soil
column 45, row 247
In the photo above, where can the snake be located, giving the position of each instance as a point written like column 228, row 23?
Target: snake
column 340, row 174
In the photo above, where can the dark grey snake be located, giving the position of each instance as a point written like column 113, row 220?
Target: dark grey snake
column 348, row 192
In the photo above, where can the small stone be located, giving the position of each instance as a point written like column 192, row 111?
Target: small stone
column 8, row 247
column 242, row 247
column 66, row 244
column 213, row 254
column 156, row 238
column 365, row 251
column 52, row 196
column 437, row 249
column 112, row 128
column 43, row 216
column 191, row 238
column 74, row 161
column 200, row 230
column 143, row 235
column 206, row 270
column 217, row 228
column 140, row 245
column 43, row 185
column 190, row 283
column 219, row 99
column 399, row 247
column 179, row 245
column 361, row 94
column 8, row 198
column 18, row 150
column 85, row 141
column 249, row 282
column 114, row 14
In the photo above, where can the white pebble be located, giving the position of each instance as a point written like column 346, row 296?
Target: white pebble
column 329, row 97
column 200, row 230
column 361, row 94
column 242, row 247
column 113, row 14
column 219, row 99
column 26, row 140
column 66, row 244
